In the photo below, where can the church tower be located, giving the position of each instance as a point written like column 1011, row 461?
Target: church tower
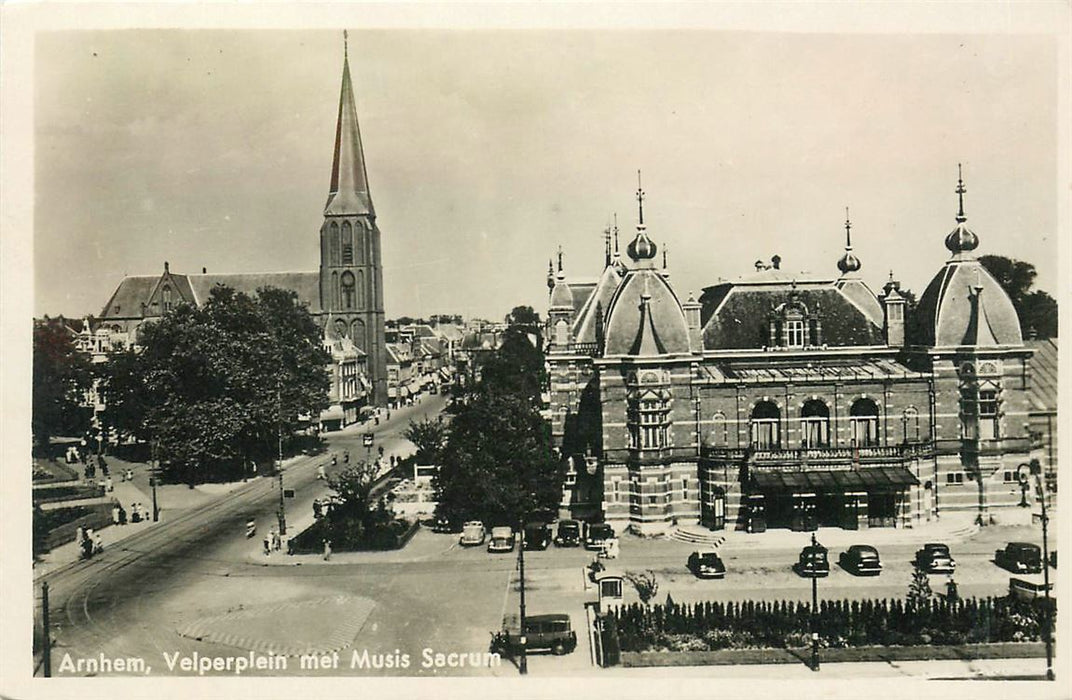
column 351, row 274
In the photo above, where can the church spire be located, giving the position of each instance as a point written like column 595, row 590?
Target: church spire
column 349, row 192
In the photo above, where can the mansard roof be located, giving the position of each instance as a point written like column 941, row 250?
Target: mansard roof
column 597, row 303
column 645, row 318
column 964, row 306
column 735, row 315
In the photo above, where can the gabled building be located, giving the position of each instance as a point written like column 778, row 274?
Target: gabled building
column 785, row 400
column 345, row 294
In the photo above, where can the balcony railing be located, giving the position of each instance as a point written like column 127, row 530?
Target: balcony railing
column 822, row 454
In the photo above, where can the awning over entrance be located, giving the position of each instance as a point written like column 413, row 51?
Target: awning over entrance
column 332, row 413
column 871, row 479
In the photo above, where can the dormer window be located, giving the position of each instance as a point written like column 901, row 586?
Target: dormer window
column 167, row 298
column 791, row 325
column 794, row 334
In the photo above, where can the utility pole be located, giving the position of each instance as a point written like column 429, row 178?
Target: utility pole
column 279, row 469
column 814, row 610
column 1047, row 615
column 155, row 476
column 46, row 652
column 523, row 665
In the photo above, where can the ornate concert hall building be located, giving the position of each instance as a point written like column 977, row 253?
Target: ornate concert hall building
column 786, row 401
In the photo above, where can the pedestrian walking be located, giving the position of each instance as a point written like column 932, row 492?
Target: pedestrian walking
column 346, row 457
column 317, row 509
column 108, row 486
column 115, row 515
column 87, row 548
column 98, row 543
column 122, row 515
column 135, row 514
column 130, row 475
column 267, row 545
column 79, row 534
column 334, row 459
column 275, row 539
column 320, row 472
column 327, row 550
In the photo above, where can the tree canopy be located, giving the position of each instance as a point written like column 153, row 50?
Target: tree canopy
column 215, row 387
column 429, row 436
column 498, row 465
column 61, row 376
column 1037, row 309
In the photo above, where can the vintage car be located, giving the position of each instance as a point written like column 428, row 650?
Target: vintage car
column 568, row 534
column 597, row 534
column 861, row 560
column 550, row 631
column 1020, row 558
column 537, row 536
column 706, row 565
column 813, row 562
column 502, row 539
column 934, row 558
column 473, row 534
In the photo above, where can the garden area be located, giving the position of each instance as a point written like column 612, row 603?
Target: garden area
column 712, row 626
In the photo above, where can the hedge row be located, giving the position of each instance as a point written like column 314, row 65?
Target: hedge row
column 710, row 625
column 349, row 537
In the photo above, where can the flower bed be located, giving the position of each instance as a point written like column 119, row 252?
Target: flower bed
column 67, row 493
column 346, row 537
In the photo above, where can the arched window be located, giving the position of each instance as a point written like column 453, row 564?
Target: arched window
column 361, row 242
column 765, row 426
column 814, row 424
column 718, row 436
column 561, row 333
column 347, row 244
column 347, row 290
column 361, row 303
column 167, row 298
column 863, row 421
column 333, row 243
column 334, row 290
column 910, row 424
column 357, row 334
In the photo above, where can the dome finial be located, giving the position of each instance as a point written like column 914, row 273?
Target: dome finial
column 848, row 228
column 560, row 258
column 640, row 197
column 848, row 262
column 616, row 253
column 345, row 46
column 960, row 195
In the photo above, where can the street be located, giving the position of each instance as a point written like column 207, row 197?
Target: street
column 194, row 587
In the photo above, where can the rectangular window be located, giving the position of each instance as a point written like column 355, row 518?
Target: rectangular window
column 794, row 334
column 988, row 414
column 815, row 432
column 954, row 478
column 765, row 434
column 685, row 488
column 1009, row 477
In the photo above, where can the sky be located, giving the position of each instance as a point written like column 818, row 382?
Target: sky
column 488, row 149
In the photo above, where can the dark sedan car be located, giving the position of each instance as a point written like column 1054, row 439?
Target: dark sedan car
column 935, row 558
column 813, row 562
column 706, row 565
column 1020, row 558
column 569, row 534
column 861, row 560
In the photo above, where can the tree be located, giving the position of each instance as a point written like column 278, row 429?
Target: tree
column 354, row 489
column 429, row 436
column 221, row 385
column 645, row 583
column 919, row 590
column 523, row 316
column 1037, row 309
column 517, row 369
column 61, row 376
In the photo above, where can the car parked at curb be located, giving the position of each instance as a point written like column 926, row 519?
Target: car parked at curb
column 597, row 534
column 537, row 536
column 502, row 539
column 568, row 534
column 861, row 560
column 813, row 562
column 473, row 534
column 934, row 558
column 706, row 565
column 1020, row 558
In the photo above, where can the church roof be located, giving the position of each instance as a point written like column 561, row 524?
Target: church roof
column 645, row 318
column 127, row 300
column 349, row 191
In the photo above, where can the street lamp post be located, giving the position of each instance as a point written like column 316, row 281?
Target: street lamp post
column 814, row 610
column 279, row 469
column 522, row 664
column 153, row 479
column 1036, row 469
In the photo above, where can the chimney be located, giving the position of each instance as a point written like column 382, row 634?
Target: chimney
column 204, row 270
column 776, row 261
column 893, row 312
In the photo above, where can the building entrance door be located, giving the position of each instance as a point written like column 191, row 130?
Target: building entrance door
column 804, row 517
column 718, row 508
column 850, row 512
column 882, row 509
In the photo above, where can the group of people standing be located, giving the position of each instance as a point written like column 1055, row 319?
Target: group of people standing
column 89, row 542
column 273, row 542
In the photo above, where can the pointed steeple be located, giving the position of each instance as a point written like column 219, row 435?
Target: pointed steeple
column 349, row 192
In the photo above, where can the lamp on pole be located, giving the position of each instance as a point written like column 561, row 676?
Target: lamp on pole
column 1023, row 475
column 154, row 477
column 279, row 469
column 522, row 664
column 814, row 609
column 1040, row 488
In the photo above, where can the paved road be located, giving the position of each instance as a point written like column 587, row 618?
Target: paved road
column 198, row 571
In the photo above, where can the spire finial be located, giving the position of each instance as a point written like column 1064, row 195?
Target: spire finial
column 616, row 253
column 664, row 256
column 560, row 258
column 960, row 195
column 848, row 228
column 345, row 45
column 640, row 197
column 606, row 247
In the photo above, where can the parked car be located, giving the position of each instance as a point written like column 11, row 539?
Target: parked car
column 935, row 558
column 861, row 560
column 537, row 536
column 551, row 631
column 473, row 534
column 1020, row 558
column 597, row 534
column 706, row 565
column 812, row 562
column 568, row 533
column 443, row 525
column 1026, row 589
column 502, row 539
